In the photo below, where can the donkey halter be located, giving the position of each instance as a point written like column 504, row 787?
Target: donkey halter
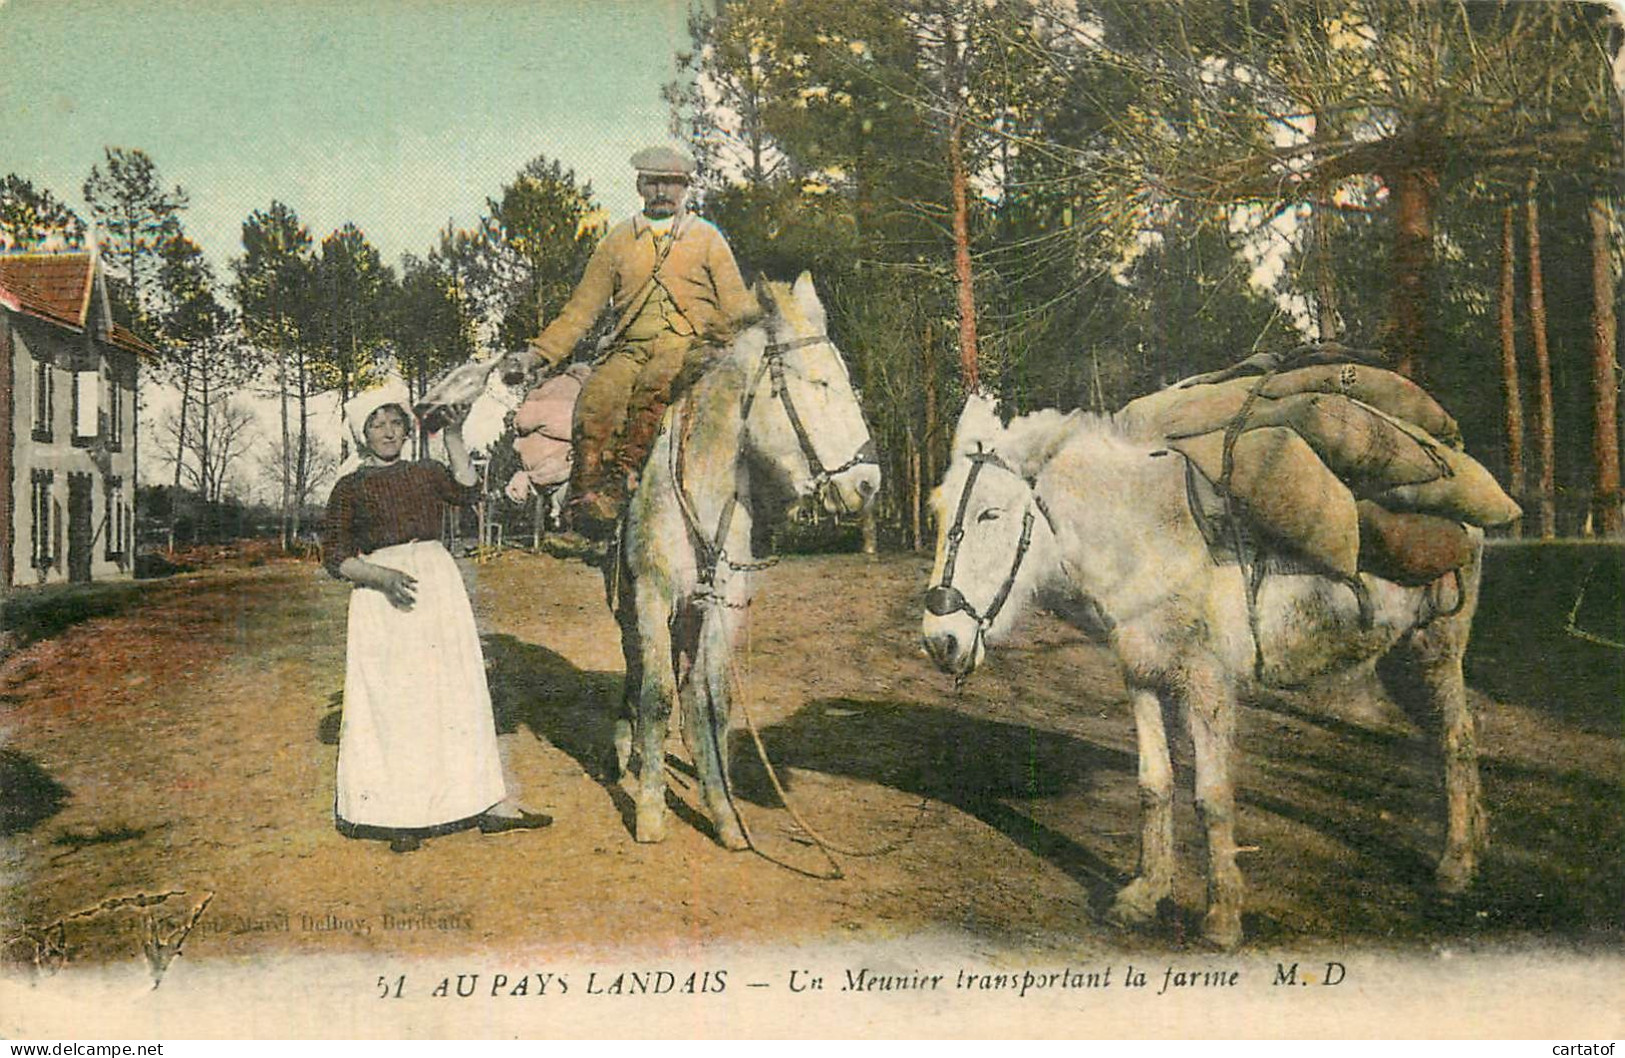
column 710, row 550
column 945, row 599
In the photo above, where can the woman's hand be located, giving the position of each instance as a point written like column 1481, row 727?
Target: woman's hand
column 399, row 588
column 452, row 416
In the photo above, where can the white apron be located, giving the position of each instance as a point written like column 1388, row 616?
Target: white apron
column 418, row 743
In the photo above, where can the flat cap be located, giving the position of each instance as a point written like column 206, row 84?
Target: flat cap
column 663, row 161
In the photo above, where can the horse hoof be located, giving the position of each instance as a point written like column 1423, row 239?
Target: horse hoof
column 651, row 826
column 730, row 836
column 1136, row 904
column 1222, row 929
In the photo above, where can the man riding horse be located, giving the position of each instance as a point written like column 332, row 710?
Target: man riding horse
column 673, row 282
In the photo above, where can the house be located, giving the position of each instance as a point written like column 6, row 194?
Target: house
column 68, row 376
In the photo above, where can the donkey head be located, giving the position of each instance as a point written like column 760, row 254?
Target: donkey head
column 995, row 535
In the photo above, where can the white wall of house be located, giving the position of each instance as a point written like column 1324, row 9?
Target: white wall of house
column 54, row 448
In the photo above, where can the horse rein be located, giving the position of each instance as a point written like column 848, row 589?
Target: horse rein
column 711, row 553
column 945, row 599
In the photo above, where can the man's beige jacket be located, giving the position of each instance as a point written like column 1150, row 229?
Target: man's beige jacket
column 698, row 272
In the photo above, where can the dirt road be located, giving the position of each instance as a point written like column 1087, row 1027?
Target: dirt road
column 187, row 744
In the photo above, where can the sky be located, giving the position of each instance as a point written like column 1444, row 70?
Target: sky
column 396, row 115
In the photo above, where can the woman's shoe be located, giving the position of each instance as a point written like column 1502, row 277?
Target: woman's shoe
column 490, row 824
column 405, row 843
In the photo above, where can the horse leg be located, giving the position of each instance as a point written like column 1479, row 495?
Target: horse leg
column 1210, row 707
column 623, row 604
column 1137, row 902
column 707, row 708
column 656, row 688
column 631, row 691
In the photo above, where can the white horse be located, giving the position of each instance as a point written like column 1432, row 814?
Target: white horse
column 774, row 421
column 1072, row 511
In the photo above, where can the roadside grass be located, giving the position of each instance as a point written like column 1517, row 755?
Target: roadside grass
column 32, row 614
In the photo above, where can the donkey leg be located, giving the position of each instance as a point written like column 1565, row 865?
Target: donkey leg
column 1211, row 712
column 707, row 708
column 1437, row 657
column 1137, row 902
column 1428, row 681
column 1467, row 824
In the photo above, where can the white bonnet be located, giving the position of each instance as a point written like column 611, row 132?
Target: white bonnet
column 359, row 408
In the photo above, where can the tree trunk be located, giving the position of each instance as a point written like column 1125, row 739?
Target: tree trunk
column 1544, row 427
column 1325, row 288
column 180, row 443
column 344, row 391
column 301, row 480
column 1413, row 265
column 914, row 492
column 1608, row 518
column 964, row 280
column 1510, row 389
column 928, row 374
column 203, row 454
column 287, row 440
column 959, row 182
column 180, row 451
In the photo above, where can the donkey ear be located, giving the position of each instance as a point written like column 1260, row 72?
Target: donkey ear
column 1035, row 438
column 979, row 424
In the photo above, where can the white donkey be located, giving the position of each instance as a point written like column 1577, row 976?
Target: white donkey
column 774, row 421
column 1072, row 510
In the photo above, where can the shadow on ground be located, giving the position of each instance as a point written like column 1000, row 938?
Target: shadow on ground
column 28, row 794
column 1351, row 811
column 984, row 768
column 539, row 689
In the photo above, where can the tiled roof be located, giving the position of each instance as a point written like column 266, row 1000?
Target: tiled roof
column 56, row 287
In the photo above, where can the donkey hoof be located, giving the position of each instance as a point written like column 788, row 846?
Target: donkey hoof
column 651, row 825
column 1221, row 928
column 1455, row 874
column 1136, row 903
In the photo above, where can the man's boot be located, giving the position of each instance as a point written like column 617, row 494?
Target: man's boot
column 594, row 514
column 593, row 506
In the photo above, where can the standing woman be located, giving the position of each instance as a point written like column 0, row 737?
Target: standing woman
column 418, row 743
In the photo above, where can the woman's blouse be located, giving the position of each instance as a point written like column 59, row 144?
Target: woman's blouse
column 391, row 504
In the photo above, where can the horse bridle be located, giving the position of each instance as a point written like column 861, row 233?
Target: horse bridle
column 944, row 598
column 710, row 549
column 773, row 365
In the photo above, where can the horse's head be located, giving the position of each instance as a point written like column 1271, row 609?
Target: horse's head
column 803, row 416
column 995, row 535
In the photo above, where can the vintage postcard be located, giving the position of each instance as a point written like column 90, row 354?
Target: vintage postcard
column 640, row 518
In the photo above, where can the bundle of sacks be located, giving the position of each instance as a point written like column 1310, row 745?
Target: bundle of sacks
column 1352, row 467
column 542, row 427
